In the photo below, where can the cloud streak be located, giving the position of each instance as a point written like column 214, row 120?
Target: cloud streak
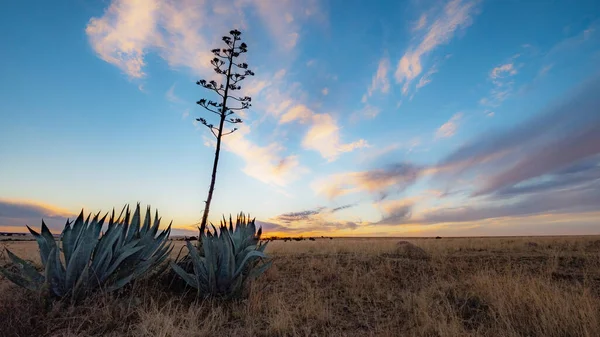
column 449, row 128
column 381, row 182
column 380, row 82
column 502, row 83
column 20, row 213
column 456, row 15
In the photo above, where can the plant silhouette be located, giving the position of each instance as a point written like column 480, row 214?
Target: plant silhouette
column 225, row 65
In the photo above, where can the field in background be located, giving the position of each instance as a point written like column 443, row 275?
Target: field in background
column 522, row 286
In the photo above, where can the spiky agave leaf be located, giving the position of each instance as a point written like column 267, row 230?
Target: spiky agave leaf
column 27, row 276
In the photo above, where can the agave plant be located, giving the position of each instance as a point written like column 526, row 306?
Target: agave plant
column 227, row 259
column 93, row 260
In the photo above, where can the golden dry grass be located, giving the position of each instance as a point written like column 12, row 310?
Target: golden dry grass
column 526, row 286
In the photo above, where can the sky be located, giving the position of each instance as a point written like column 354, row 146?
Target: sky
column 378, row 118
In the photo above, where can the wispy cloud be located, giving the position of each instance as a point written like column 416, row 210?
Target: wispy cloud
column 298, row 216
column 366, row 112
column 381, row 182
column 323, row 134
column 449, row 128
column 455, row 15
column 185, row 114
column 171, row 96
column 396, row 211
column 380, row 81
column 502, row 71
column 320, row 219
column 343, row 207
column 426, row 79
column 264, row 163
column 545, row 69
column 421, row 23
column 502, row 83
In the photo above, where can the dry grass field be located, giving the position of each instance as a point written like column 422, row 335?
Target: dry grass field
column 526, row 286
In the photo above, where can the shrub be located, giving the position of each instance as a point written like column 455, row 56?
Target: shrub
column 226, row 260
column 126, row 251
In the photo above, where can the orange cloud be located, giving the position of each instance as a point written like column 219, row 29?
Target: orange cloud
column 264, row 162
column 15, row 214
column 323, row 135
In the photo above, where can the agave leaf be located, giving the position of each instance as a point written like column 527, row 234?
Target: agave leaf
column 134, row 225
column 210, row 256
column 55, row 274
column 162, row 254
column 119, row 283
column 241, row 255
column 125, row 227
column 140, row 268
column 19, row 280
column 101, row 264
column 98, row 228
column 195, row 256
column 111, row 220
column 251, row 255
column 28, row 271
column 121, row 257
column 256, row 272
column 82, row 284
column 77, row 228
column 48, row 236
column 124, row 210
column 27, row 277
column 156, row 223
column 66, row 241
column 262, row 246
column 82, row 253
column 104, row 250
column 188, row 278
column 83, row 227
column 146, row 225
column 42, row 244
column 227, row 267
column 163, row 239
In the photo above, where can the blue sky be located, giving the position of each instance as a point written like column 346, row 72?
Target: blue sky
column 369, row 118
